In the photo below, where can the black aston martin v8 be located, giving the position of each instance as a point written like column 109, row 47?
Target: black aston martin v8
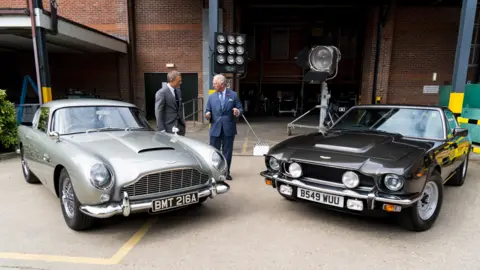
column 385, row 159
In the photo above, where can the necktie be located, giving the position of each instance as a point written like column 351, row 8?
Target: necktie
column 176, row 97
column 222, row 100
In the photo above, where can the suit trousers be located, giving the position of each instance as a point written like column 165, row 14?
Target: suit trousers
column 224, row 144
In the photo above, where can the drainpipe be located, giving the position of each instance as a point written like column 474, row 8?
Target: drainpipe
column 382, row 17
column 132, row 49
column 35, row 49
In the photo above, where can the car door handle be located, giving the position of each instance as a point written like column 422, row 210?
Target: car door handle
column 46, row 158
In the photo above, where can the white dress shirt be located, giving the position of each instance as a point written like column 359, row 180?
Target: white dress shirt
column 171, row 89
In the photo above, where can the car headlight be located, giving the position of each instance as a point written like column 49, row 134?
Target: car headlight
column 100, row 176
column 273, row 164
column 350, row 179
column 295, row 170
column 218, row 161
column 393, row 182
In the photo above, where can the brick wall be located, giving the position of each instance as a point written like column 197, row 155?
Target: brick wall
column 416, row 42
column 108, row 16
column 167, row 31
column 425, row 42
column 13, row 3
column 170, row 31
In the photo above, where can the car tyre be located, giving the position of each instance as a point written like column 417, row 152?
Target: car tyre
column 460, row 174
column 70, row 205
column 27, row 173
column 423, row 214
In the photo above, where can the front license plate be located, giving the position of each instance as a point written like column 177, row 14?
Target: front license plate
column 319, row 197
column 173, row 202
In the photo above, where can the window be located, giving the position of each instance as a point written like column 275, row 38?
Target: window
column 78, row 119
column 43, row 119
column 452, row 122
column 279, row 44
column 416, row 123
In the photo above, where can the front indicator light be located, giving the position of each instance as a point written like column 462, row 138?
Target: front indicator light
column 392, row 208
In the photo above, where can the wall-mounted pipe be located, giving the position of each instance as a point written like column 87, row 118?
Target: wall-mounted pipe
column 382, row 18
column 132, row 49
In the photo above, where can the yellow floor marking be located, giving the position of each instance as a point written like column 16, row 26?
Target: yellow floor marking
column 245, row 143
column 132, row 242
column 53, row 258
column 115, row 259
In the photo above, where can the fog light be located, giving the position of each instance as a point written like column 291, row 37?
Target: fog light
column 286, row 190
column 105, row 197
column 354, row 205
column 392, row 208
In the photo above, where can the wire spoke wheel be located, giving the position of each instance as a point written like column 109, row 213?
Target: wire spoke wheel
column 428, row 204
column 68, row 197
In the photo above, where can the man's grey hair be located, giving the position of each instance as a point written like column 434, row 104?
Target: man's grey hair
column 221, row 79
column 172, row 75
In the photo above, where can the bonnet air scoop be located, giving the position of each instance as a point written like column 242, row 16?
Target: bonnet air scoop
column 155, row 149
column 356, row 150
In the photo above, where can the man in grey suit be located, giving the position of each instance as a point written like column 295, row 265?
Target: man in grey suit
column 168, row 102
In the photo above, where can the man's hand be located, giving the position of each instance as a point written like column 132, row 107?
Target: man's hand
column 208, row 115
column 236, row 112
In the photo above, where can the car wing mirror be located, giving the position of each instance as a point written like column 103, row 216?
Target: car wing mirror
column 460, row 132
column 54, row 136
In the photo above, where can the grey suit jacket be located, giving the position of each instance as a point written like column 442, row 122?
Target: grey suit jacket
column 167, row 113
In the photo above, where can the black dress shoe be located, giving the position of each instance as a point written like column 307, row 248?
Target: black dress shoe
column 229, row 177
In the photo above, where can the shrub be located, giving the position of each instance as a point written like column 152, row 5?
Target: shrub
column 8, row 122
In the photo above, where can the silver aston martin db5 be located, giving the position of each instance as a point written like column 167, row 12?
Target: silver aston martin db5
column 101, row 158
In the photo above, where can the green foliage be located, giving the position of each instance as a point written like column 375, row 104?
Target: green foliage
column 8, row 122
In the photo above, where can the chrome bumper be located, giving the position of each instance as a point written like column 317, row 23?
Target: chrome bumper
column 370, row 196
column 126, row 207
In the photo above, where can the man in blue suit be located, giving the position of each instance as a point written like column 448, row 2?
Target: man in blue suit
column 223, row 109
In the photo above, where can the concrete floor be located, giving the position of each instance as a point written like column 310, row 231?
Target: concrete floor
column 251, row 227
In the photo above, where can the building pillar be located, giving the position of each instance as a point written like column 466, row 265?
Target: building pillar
column 213, row 27
column 462, row 55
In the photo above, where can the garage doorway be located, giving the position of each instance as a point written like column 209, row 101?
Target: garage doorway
column 153, row 83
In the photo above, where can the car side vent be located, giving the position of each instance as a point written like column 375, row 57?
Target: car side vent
column 155, row 149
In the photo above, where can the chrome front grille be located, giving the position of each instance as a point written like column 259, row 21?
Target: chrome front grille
column 166, row 181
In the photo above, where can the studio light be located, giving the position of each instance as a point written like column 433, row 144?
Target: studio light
column 323, row 62
column 230, row 54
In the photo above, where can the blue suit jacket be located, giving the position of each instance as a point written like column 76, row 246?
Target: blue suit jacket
column 223, row 118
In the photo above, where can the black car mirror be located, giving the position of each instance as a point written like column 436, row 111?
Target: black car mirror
column 460, row 132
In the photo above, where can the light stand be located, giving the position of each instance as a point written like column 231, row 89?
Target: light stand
column 320, row 73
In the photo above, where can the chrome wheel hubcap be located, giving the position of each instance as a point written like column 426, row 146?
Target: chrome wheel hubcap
column 428, row 204
column 68, row 197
